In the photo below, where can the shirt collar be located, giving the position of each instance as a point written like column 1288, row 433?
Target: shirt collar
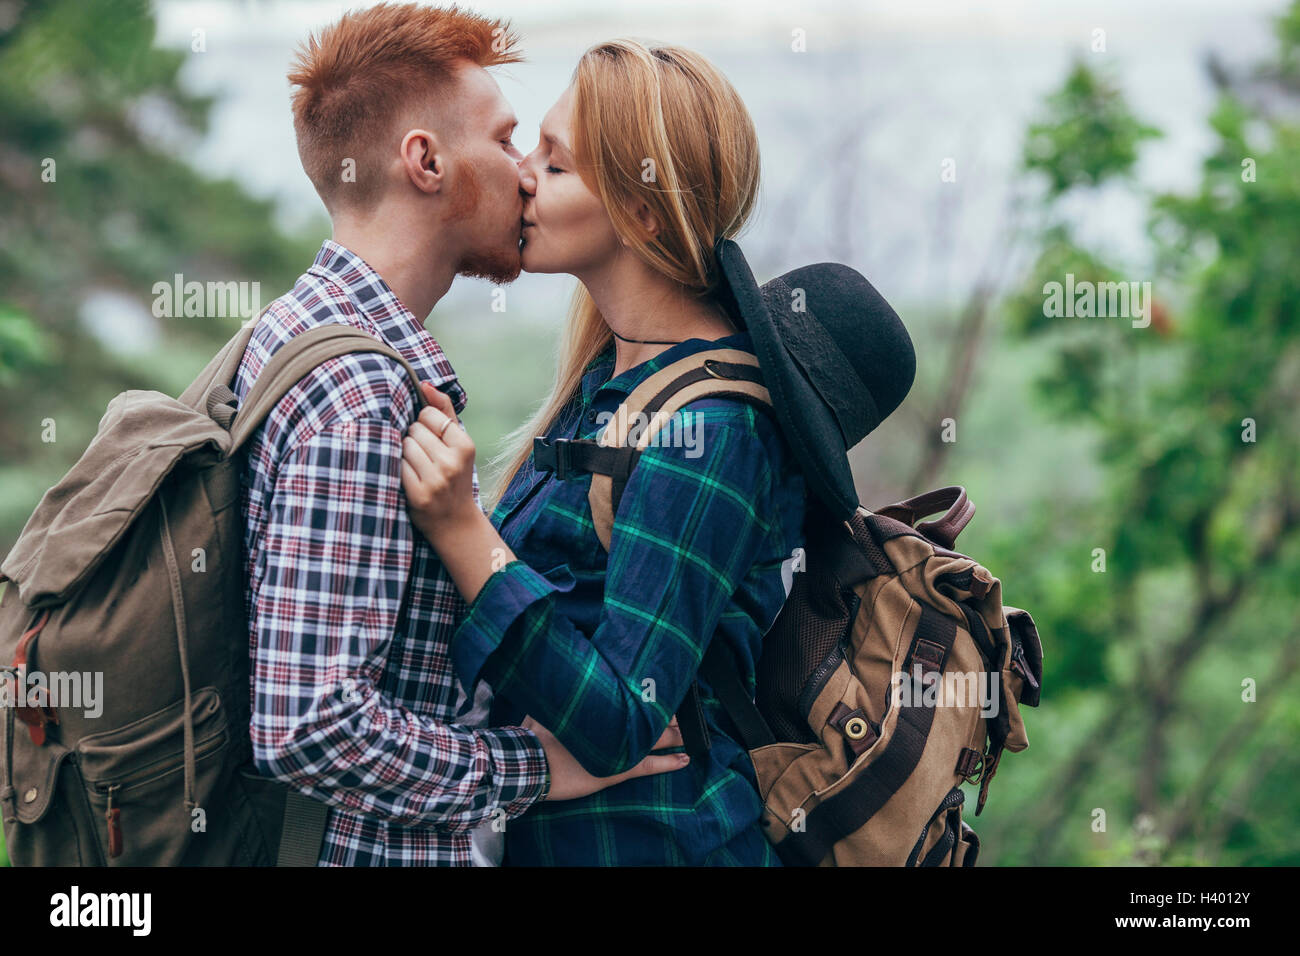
column 596, row 377
column 396, row 323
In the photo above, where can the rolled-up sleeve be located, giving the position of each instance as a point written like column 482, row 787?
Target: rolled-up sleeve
column 687, row 532
column 338, row 549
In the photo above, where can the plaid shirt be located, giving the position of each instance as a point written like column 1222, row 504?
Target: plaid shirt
column 350, row 611
column 702, row 550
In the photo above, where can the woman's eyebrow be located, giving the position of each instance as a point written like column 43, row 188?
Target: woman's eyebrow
column 556, row 142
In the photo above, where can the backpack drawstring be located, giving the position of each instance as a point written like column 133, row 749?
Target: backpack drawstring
column 178, row 610
column 8, row 795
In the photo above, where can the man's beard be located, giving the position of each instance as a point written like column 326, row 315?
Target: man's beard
column 497, row 265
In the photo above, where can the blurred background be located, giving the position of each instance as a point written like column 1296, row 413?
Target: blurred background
column 1135, row 486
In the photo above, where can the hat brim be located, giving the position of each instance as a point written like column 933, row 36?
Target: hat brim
column 808, row 424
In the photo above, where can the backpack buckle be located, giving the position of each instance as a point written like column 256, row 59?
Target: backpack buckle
column 38, row 716
column 970, row 764
column 553, row 455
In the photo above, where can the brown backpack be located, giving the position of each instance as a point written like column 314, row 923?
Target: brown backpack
column 856, row 763
column 131, row 572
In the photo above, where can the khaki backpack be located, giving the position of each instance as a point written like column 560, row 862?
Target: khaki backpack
column 868, row 714
column 130, row 573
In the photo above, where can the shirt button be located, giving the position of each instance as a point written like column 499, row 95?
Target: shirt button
column 591, row 416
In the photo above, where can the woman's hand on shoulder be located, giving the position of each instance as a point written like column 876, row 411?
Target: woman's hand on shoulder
column 438, row 467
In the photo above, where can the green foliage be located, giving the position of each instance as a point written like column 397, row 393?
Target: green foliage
column 1198, row 518
column 22, row 346
column 1288, row 35
column 1091, row 135
column 95, row 202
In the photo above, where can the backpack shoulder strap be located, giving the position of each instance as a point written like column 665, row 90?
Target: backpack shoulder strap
column 647, row 409
column 714, row 373
column 221, row 370
column 732, row 373
column 293, row 360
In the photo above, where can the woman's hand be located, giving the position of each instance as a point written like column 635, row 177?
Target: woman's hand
column 438, row 478
column 569, row 780
column 438, row 468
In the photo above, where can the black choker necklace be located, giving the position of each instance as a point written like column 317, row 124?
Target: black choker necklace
column 624, row 338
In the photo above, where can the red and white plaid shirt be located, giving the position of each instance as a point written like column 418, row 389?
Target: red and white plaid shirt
column 354, row 700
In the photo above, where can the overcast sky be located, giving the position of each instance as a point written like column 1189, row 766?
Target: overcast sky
column 908, row 83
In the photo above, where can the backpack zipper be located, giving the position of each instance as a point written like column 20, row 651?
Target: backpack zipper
column 955, row 798
column 150, row 773
column 74, row 758
column 1020, row 664
column 831, row 663
column 113, row 817
column 133, row 781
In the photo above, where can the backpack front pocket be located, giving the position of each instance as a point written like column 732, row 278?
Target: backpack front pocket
column 135, row 779
column 46, row 779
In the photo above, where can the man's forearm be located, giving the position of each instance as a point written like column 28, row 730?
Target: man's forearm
column 371, row 757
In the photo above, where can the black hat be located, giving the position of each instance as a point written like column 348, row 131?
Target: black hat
column 836, row 360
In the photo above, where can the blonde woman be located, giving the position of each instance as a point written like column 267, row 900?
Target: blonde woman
column 646, row 160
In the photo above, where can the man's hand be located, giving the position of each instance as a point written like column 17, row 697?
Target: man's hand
column 569, row 780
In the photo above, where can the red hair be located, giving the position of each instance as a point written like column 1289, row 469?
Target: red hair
column 359, row 76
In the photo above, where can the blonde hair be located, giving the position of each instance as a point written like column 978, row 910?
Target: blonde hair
column 638, row 109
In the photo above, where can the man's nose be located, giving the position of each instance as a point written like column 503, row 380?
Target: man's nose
column 527, row 179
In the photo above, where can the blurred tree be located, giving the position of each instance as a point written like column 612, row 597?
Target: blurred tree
column 1199, row 514
column 99, row 204
column 1090, row 137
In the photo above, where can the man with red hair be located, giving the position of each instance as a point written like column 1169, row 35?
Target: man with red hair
column 407, row 139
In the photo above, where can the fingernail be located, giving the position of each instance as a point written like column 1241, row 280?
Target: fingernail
column 683, row 759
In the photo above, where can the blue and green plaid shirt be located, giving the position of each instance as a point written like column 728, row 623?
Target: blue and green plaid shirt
column 601, row 648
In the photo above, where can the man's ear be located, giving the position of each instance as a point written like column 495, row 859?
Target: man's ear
column 423, row 160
